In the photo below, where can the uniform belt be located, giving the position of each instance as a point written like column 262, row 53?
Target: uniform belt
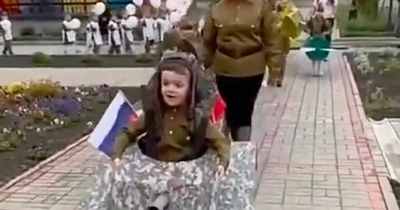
column 239, row 53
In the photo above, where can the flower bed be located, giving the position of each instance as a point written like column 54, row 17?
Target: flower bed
column 37, row 119
column 377, row 75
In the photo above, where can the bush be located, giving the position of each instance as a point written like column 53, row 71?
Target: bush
column 91, row 60
column 41, row 59
column 51, row 32
column 145, row 58
column 28, row 31
column 361, row 26
column 42, row 89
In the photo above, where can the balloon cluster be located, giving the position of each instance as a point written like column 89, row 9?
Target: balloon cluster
column 132, row 21
column 178, row 9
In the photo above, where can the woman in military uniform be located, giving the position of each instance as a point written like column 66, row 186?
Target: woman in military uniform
column 241, row 37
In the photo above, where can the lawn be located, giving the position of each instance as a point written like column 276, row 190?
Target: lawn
column 361, row 26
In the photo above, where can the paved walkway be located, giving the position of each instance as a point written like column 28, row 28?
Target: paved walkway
column 319, row 151
column 315, row 148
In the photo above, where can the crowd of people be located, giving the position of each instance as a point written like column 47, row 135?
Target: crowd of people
column 114, row 30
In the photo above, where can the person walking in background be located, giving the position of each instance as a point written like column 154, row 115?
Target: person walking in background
column 318, row 26
column 127, row 35
column 93, row 35
column 240, row 38
column 6, row 31
column 329, row 8
column 68, row 35
column 275, row 79
column 353, row 11
column 114, row 34
column 103, row 21
column 149, row 31
column 165, row 26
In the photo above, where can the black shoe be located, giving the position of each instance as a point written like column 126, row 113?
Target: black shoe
column 279, row 83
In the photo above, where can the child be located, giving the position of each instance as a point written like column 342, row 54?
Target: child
column 6, row 31
column 318, row 26
column 276, row 78
column 93, row 36
column 68, row 34
column 174, row 128
column 149, row 30
column 127, row 38
column 353, row 10
column 114, row 34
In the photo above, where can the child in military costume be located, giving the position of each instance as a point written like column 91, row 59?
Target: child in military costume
column 275, row 78
column 176, row 115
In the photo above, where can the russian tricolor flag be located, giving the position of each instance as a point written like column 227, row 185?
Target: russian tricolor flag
column 117, row 115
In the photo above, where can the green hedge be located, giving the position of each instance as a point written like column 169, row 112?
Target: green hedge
column 362, row 26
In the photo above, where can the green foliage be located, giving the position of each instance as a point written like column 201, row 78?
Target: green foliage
column 10, row 140
column 91, row 60
column 362, row 26
column 51, row 32
column 41, row 59
column 41, row 89
column 368, row 9
column 145, row 58
column 28, row 31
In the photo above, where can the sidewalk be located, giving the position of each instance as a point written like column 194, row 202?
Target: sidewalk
column 319, row 151
column 315, row 149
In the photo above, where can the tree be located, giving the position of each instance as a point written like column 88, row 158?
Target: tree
column 368, row 8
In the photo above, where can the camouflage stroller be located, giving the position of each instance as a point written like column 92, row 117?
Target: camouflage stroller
column 143, row 183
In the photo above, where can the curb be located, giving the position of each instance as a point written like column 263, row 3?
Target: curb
column 385, row 187
column 42, row 164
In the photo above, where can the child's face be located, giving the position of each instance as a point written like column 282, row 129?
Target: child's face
column 174, row 87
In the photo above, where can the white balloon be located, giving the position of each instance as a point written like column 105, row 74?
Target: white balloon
column 155, row 3
column 132, row 22
column 172, row 4
column 138, row 2
column 99, row 8
column 130, row 9
column 175, row 16
column 75, row 23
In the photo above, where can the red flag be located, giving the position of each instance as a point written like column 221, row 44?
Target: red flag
column 218, row 109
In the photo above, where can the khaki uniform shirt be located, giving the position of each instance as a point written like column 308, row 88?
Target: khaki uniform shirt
column 241, row 37
column 175, row 141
